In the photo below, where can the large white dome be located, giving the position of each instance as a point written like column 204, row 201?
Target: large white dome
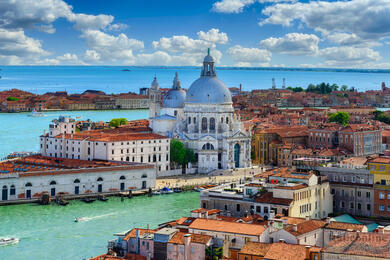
column 208, row 89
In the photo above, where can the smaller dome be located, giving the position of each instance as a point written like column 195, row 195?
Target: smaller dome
column 208, row 58
column 174, row 98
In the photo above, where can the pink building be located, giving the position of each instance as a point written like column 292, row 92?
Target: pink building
column 184, row 246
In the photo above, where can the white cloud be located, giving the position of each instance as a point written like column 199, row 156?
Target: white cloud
column 66, row 59
column 367, row 19
column 111, row 48
column 347, row 56
column 15, row 44
column 214, row 36
column 91, row 22
column 292, row 43
column 249, row 56
column 92, row 56
column 236, row 6
column 184, row 50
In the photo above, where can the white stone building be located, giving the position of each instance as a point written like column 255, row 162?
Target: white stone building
column 124, row 145
column 204, row 119
column 30, row 177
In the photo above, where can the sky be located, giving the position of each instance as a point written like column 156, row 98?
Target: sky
column 245, row 33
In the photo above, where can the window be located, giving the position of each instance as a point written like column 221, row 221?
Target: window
column 332, row 191
column 238, row 207
column 12, row 190
column 212, row 123
column 388, row 207
column 351, row 205
column 204, row 124
column 189, row 120
column 359, row 193
column 368, row 194
column 368, row 206
column 381, row 207
column 258, row 209
column 381, row 195
column 383, row 182
column 359, row 206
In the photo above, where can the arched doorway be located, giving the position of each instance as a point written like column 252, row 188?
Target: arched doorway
column 122, row 184
column 28, row 190
column 100, row 185
column 237, row 155
column 5, row 193
column 53, row 188
column 76, row 187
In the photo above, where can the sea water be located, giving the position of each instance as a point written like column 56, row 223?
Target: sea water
column 49, row 232
column 113, row 79
column 20, row 132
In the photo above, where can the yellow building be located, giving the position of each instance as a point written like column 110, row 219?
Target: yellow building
column 380, row 168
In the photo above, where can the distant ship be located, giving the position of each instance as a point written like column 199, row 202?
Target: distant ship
column 126, row 70
column 34, row 113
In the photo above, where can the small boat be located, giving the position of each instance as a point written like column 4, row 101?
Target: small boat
column 88, row 200
column 63, row 202
column 157, row 192
column 34, row 113
column 102, row 198
column 79, row 219
column 166, row 190
column 5, row 241
column 176, row 190
column 126, row 70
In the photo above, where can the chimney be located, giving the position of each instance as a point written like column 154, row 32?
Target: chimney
column 381, row 229
column 281, row 240
column 187, row 242
column 328, row 220
column 295, row 227
column 307, row 218
column 307, row 252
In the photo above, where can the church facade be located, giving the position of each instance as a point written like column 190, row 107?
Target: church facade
column 203, row 119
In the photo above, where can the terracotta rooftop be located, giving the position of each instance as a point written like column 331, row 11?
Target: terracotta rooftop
column 277, row 251
column 37, row 164
column 345, row 226
column 133, row 233
column 362, row 244
column 270, row 199
column 295, row 187
column 255, row 249
column 178, row 238
column 285, row 173
column 110, row 137
column 227, row 227
column 305, row 227
column 381, row 159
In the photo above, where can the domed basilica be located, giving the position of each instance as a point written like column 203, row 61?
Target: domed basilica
column 203, row 119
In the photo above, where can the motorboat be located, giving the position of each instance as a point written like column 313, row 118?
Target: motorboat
column 102, row 198
column 79, row 219
column 177, row 190
column 35, row 113
column 156, row 192
column 88, row 200
column 5, row 241
column 166, row 190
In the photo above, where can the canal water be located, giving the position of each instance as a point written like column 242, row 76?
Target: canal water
column 20, row 132
column 49, row 232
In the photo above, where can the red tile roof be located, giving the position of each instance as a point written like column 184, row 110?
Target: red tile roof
column 270, row 199
column 227, row 227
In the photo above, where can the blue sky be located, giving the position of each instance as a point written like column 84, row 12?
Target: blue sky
column 292, row 33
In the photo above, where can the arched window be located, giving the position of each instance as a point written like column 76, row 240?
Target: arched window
column 212, row 123
column 12, row 190
column 221, row 119
column 122, row 178
column 194, row 120
column 208, row 146
column 53, row 183
column 227, row 120
column 28, row 184
column 204, row 123
column 154, row 158
column 100, row 179
column 144, row 175
column 76, row 181
column 189, row 120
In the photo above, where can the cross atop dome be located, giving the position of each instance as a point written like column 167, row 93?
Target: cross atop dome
column 208, row 66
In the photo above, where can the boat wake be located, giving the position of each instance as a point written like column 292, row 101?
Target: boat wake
column 85, row 219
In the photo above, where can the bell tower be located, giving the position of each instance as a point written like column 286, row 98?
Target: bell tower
column 154, row 99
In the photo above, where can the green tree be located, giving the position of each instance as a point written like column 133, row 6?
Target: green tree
column 341, row 118
column 116, row 122
column 180, row 155
column 344, row 88
column 12, row 99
